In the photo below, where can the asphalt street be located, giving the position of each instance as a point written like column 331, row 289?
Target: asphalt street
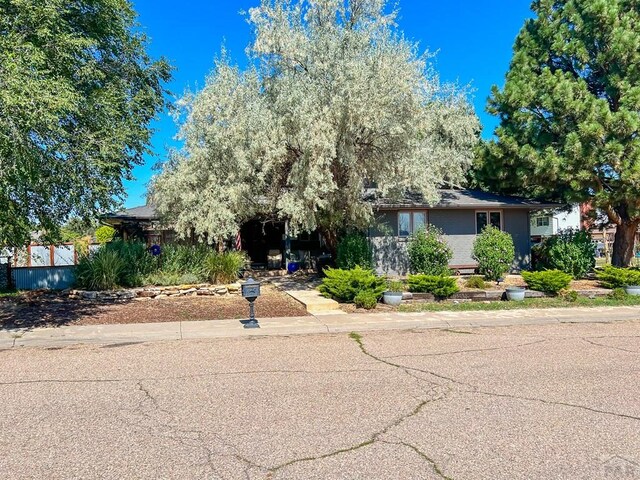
column 555, row 401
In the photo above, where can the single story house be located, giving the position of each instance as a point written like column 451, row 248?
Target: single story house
column 460, row 214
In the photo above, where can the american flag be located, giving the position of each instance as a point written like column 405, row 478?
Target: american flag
column 238, row 242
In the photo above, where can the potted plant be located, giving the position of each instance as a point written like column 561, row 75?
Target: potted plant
column 515, row 294
column 393, row 295
column 632, row 290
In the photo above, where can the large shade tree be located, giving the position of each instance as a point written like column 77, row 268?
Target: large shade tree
column 570, row 112
column 77, row 95
column 334, row 99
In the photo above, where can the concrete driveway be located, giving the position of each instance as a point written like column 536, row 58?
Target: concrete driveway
column 539, row 401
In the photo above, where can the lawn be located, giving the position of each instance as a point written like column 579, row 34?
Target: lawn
column 526, row 304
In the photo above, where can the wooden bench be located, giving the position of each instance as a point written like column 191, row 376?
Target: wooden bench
column 464, row 268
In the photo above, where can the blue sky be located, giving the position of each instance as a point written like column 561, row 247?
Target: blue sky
column 473, row 39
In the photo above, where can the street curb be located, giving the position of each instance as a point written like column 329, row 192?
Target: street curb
column 308, row 325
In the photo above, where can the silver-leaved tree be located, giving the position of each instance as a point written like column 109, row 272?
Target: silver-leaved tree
column 334, row 99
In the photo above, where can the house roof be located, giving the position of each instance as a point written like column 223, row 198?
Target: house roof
column 448, row 199
column 142, row 213
column 464, row 199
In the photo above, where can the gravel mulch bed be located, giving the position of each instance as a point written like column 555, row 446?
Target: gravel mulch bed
column 38, row 309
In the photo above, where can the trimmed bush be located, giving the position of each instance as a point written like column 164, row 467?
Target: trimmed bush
column 344, row 285
column 618, row 294
column 570, row 296
column 102, row 270
column 572, row 251
column 354, row 250
column 439, row 285
column 225, row 267
column 105, row 234
column 476, row 281
column 428, row 252
column 548, row 281
column 494, row 251
column 366, row 299
column 615, row 277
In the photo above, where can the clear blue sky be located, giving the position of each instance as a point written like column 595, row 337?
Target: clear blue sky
column 473, row 39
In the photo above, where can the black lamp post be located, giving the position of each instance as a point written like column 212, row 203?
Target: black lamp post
column 251, row 291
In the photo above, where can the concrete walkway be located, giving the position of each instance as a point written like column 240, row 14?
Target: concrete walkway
column 149, row 332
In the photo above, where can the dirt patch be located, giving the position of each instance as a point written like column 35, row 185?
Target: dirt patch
column 41, row 309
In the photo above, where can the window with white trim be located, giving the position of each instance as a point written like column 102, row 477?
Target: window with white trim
column 488, row 217
column 411, row 222
column 542, row 221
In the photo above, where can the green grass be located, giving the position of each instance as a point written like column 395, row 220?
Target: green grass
column 9, row 293
column 526, row 304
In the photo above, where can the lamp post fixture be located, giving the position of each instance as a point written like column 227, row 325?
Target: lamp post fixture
column 251, row 291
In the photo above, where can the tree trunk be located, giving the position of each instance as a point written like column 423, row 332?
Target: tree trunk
column 624, row 243
column 331, row 240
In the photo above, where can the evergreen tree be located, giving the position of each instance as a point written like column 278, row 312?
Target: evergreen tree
column 570, row 113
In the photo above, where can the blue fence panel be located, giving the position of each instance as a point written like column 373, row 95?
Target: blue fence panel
column 50, row 278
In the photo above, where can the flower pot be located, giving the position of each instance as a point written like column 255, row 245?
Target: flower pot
column 515, row 294
column 632, row 289
column 392, row 298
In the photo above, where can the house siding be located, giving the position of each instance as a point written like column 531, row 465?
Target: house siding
column 459, row 229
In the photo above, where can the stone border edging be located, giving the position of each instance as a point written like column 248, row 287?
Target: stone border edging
column 203, row 289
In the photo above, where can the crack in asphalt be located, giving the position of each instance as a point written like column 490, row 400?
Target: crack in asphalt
column 178, row 434
column 476, row 389
column 475, row 350
column 434, row 465
column 612, row 347
column 552, row 402
column 186, row 377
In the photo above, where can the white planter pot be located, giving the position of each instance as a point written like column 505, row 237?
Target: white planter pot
column 515, row 294
column 392, row 298
column 632, row 290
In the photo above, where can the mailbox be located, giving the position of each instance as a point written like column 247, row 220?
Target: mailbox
column 251, row 291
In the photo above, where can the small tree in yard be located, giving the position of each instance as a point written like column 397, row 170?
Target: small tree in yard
column 429, row 253
column 354, row 250
column 494, row 251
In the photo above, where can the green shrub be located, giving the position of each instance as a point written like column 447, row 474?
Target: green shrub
column 615, row 277
column 476, row 281
column 105, row 234
column 439, row 285
column 161, row 279
column 344, row 285
column 395, row 286
column 137, row 260
column 618, row 294
column 428, row 252
column 572, row 251
column 494, row 251
column 183, row 259
column 548, row 281
column 568, row 295
column 100, row 270
column 366, row 299
column 354, row 250
column 224, row 267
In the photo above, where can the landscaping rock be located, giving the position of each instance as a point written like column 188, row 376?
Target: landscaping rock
column 89, row 295
column 234, row 288
column 147, row 294
column 222, row 291
column 188, row 291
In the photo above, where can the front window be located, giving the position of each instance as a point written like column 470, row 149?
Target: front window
column 411, row 222
column 542, row 221
column 484, row 218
